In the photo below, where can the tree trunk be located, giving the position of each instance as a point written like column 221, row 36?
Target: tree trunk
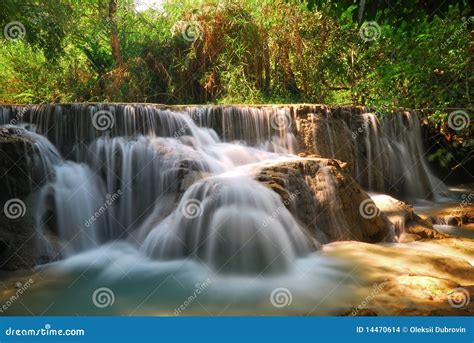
column 114, row 40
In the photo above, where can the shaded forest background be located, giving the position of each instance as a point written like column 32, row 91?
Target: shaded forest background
column 383, row 54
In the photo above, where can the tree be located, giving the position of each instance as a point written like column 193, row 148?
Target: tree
column 114, row 40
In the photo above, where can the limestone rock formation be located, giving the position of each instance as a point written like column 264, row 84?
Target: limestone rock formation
column 408, row 225
column 25, row 163
column 326, row 200
column 379, row 150
column 438, row 271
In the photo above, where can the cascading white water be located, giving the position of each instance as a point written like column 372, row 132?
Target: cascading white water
column 152, row 173
column 147, row 171
column 71, row 126
column 267, row 128
column 76, row 195
column 152, row 155
column 395, row 157
column 221, row 220
column 186, row 209
column 385, row 154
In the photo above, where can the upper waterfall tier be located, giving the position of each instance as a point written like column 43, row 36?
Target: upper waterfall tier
column 385, row 152
column 71, row 125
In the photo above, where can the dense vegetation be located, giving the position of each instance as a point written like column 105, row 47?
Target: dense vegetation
column 400, row 53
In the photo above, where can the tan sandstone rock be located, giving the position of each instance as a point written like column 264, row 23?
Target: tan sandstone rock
column 328, row 200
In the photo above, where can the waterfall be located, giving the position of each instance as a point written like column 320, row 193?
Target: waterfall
column 67, row 206
column 130, row 169
column 147, row 171
column 151, row 161
column 71, row 125
column 395, row 157
column 166, row 197
column 385, row 154
column 222, row 220
column 268, row 128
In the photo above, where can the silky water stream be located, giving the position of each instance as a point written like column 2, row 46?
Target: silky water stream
column 156, row 212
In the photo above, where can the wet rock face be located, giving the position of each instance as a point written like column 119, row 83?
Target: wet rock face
column 26, row 161
column 326, row 200
column 23, row 169
column 15, row 152
column 385, row 154
column 327, row 137
column 407, row 224
column 439, row 271
column 19, row 240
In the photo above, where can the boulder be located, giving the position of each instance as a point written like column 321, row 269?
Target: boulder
column 326, row 200
column 455, row 214
column 25, row 164
column 408, row 225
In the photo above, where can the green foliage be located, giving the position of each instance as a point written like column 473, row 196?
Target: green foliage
column 248, row 51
